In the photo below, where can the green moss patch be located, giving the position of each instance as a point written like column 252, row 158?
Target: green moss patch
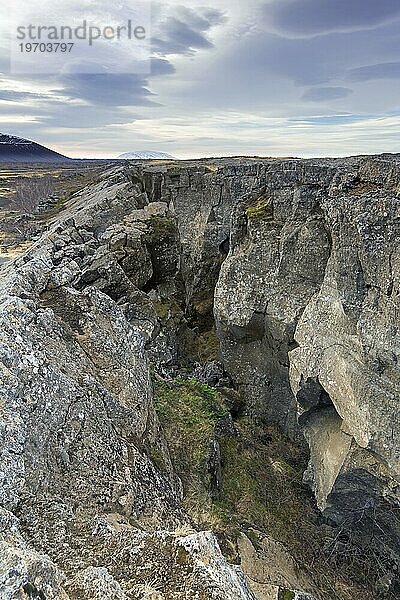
column 161, row 228
column 260, row 468
column 261, row 479
column 260, row 210
column 261, row 483
column 167, row 308
column 188, row 411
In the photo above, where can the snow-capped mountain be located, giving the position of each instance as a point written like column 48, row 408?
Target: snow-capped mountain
column 145, row 155
column 15, row 149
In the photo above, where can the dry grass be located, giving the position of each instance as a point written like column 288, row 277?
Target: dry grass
column 24, row 190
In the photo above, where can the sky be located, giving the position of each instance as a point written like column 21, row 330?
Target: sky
column 239, row 77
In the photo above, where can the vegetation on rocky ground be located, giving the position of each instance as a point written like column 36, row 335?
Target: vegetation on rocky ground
column 261, row 485
column 22, row 216
column 259, row 209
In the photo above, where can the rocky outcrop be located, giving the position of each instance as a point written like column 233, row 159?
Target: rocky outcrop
column 280, row 246
column 284, row 270
column 83, row 502
column 309, row 296
column 348, row 334
column 271, row 570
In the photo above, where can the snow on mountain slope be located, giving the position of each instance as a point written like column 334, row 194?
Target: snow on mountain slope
column 147, row 155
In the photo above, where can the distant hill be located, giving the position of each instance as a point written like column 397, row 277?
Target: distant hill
column 145, row 155
column 15, row 149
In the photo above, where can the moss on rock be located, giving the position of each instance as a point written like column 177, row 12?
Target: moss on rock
column 260, row 209
column 261, row 482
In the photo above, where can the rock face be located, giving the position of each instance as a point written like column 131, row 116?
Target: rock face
column 294, row 264
column 309, row 296
column 78, row 483
column 348, row 335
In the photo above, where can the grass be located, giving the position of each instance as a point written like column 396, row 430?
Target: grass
column 205, row 347
column 253, row 493
column 68, row 179
column 157, row 456
column 163, row 227
column 65, row 183
column 166, row 308
column 188, row 411
column 261, row 484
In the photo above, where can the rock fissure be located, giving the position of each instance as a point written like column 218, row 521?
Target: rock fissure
column 255, row 295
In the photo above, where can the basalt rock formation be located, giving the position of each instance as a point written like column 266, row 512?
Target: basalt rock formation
column 274, row 282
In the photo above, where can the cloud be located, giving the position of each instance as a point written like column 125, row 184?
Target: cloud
column 270, row 72
column 111, row 90
column 10, row 118
column 322, row 94
column 14, row 96
column 108, row 90
column 87, row 101
column 220, row 74
column 389, row 70
column 161, row 66
column 209, row 135
column 50, row 109
column 186, row 30
column 303, row 18
column 74, row 116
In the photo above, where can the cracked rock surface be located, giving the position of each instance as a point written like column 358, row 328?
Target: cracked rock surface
column 295, row 264
column 80, row 494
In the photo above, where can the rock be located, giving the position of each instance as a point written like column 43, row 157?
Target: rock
column 348, row 341
column 279, row 249
column 25, row 573
column 308, row 293
column 214, row 468
column 96, row 583
column 281, row 278
column 220, row 580
column 213, row 374
column 330, row 446
column 77, row 417
column 271, row 568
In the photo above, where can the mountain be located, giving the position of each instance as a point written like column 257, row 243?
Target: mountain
column 145, row 155
column 15, row 149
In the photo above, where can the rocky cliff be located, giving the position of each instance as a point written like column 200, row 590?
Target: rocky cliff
column 175, row 348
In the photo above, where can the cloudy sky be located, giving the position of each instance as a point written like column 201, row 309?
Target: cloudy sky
column 228, row 77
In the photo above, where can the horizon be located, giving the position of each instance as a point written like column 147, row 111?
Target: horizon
column 204, row 157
